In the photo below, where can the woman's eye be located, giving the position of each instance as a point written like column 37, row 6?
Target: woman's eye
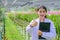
column 43, row 11
column 40, row 11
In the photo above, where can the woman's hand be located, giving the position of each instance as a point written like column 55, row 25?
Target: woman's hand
column 39, row 33
column 34, row 23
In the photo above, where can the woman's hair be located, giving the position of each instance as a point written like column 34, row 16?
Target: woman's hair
column 43, row 8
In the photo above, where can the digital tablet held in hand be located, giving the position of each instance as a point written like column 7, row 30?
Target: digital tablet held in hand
column 44, row 26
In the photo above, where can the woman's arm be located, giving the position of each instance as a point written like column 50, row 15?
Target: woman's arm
column 51, row 34
column 31, row 26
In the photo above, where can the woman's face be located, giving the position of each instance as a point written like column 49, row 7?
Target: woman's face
column 42, row 12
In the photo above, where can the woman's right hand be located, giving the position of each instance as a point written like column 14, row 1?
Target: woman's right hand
column 39, row 33
column 34, row 23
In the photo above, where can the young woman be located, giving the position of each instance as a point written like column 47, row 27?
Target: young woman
column 33, row 27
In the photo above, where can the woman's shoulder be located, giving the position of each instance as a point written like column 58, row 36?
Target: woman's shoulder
column 49, row 20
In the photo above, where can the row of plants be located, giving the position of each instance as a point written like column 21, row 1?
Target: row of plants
column 29, row 17
column 11, row 31
column 24, row 19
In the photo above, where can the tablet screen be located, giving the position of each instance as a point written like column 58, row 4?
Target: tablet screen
column 44, row 26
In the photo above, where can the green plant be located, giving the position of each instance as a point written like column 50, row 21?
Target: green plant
column 11, row 31
column 24, row 19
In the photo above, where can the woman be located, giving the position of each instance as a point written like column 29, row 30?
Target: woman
column 33, row 27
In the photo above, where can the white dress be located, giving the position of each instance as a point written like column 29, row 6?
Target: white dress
column 48, row 35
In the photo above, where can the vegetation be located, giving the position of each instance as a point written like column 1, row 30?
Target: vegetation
column 22, row 20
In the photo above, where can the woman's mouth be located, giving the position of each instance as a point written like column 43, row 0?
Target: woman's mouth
column 42, row 15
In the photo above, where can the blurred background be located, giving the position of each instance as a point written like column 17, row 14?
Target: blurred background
column 15, row 15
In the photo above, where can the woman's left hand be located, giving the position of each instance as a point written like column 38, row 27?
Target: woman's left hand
column 39, row 33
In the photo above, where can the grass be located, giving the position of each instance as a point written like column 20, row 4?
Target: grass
column 12, row 32
column 23, row 20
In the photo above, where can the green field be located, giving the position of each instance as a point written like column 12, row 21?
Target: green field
column 13, row 24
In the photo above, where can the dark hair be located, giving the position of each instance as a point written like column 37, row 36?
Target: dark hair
column 43, row 8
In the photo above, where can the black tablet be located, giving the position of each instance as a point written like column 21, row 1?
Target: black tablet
column 44, row 26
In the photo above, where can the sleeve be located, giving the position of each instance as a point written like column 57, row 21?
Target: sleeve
column 51, row 34
column 29, row 29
